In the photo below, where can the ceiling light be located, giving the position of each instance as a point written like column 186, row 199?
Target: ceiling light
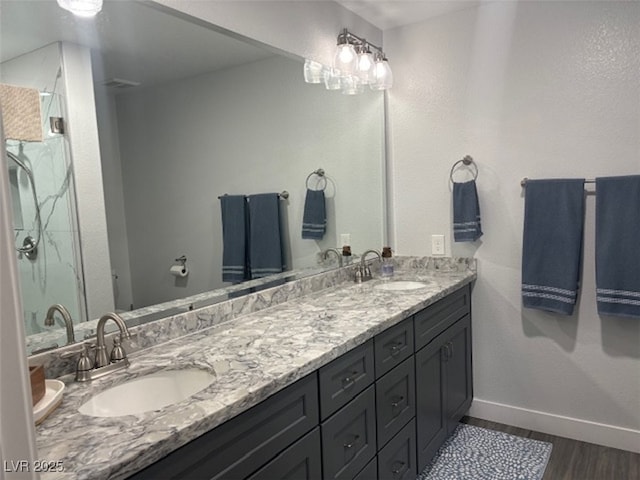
column 82, row 8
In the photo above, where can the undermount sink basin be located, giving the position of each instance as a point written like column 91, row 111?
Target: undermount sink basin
column 150, row 392
column 400, row 285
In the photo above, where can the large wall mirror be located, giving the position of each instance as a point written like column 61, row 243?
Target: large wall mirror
column 185, row 113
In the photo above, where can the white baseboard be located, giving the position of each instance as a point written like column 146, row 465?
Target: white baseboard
column 583, row 430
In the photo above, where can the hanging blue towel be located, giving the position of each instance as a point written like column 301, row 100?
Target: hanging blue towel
column 552, row 244
column 466, row 212
column 234, row 230
column 617, row 241
column 314, row 218
column 265, row 239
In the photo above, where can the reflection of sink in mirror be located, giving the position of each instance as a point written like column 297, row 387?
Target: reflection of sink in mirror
column 150, row 392
column 400, row 285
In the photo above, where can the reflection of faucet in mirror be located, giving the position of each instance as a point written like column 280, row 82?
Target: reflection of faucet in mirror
column 363, row 272
column 102, row 360
column 325, row 254
column 66, row 316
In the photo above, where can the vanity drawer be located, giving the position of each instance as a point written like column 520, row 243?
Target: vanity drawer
column 393, row 346
column 395, row 400
column 237, row 448
column 370, row 472
column 345, row 377
column 349, row 438
column 436, row 318
column 301, row 461
column 397, row 460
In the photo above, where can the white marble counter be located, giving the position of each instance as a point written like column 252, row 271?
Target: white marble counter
column 252, row 356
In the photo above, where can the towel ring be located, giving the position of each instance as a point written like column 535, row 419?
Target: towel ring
column 467, row 161
column 320, row 173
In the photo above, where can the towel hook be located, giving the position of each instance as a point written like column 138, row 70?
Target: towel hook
column 320, row 173
column 466, row 161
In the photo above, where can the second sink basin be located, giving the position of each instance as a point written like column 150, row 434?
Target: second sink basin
column 400, row 285
column 150, row 392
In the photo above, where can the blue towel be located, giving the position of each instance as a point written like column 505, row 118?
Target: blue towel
column 552, row 244
column 314, row 219
column 466, row 212
column 617, row 253
column 234, row 230
column 265, row 239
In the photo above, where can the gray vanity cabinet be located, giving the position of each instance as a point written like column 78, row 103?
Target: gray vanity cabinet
column 379, row 411
column 443, row 374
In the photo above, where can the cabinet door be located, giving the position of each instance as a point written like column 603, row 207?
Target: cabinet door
column 431, row 424
column 349, row 438
column 459, row 386
column 301, row 461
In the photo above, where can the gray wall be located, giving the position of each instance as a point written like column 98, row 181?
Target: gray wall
column 529, row 89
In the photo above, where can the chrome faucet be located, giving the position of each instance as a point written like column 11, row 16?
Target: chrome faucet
column 102, row 360
column 363, row 272
column 66, row 316
column 325, row 254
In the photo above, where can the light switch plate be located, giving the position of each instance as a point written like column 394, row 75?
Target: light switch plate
column 437, row 244
column 345, row 239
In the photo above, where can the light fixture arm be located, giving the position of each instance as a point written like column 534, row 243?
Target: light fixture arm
column 347, row 37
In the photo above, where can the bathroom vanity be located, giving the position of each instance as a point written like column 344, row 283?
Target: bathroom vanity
column 349, row 382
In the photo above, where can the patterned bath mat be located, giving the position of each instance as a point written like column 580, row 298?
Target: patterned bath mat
column 475, row 453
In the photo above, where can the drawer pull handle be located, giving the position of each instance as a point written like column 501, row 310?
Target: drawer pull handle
column 350, row 380
column 353, row 442
column 395, row 349
column 398, row 469
column 398, row 401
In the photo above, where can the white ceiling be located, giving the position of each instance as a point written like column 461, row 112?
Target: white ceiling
column 129, row 40
column 386, row 14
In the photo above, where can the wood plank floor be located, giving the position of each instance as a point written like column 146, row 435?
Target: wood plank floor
column 575, row 460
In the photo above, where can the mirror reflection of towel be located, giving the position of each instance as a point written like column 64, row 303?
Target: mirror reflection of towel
column 265, row 238
column 21, row 113
column 314, row 219
column 234, row 234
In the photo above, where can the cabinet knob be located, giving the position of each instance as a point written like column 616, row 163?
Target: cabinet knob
column 398, row 467
column 353, row 442
column 398, row 400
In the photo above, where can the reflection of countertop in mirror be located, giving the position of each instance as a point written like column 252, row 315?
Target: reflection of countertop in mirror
column 252, row 356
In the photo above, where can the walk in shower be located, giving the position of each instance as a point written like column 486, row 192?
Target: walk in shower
column 46, row 236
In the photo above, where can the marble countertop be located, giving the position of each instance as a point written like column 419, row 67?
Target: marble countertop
column 252, row 356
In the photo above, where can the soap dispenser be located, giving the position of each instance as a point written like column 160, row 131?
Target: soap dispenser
column 346, row 255
column 387, row 263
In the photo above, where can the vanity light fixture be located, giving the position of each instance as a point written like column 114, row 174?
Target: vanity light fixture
column 354, row 67
column 82, row 8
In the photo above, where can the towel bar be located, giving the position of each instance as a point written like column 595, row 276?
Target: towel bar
column 283, row 195
column 523, row 182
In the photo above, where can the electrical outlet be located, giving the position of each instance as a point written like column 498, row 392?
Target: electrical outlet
column 345, row 239
column 437, row 244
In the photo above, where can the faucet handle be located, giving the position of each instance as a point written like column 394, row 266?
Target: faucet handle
column 84, row 365
column 118, row 353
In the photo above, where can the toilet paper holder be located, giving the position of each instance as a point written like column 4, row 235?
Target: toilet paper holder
column 179, row 269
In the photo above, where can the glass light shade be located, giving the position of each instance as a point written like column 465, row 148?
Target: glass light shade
column 82, row 8
column 346, row 59
column 332, row 79
column 351, row 85
column 313, row 71
column 383, row 77
column 366, row 67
